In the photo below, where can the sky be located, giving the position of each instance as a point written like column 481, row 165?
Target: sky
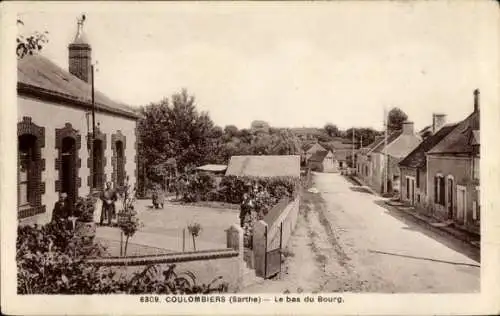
column 293, row 64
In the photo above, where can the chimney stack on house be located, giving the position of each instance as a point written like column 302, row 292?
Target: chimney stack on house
column 438, row 121
column 80, row 54
column 476, row 100
column 408, row 128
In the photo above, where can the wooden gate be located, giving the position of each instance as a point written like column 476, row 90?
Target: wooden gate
column 274, row 243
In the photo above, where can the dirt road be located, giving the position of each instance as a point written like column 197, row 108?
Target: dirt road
column 347, row 240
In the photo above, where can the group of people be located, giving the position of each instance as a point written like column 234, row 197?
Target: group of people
column 64, row 212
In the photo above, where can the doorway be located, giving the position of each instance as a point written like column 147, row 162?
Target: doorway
column 461, row 204
column 451, row 198
column 68, row 169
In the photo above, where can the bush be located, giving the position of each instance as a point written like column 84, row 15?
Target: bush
column 51, row 261
column 84, row 209
column 233, row 188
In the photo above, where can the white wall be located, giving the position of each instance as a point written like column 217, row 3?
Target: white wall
column 52, row 116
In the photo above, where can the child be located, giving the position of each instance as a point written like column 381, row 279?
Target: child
column 158, row 197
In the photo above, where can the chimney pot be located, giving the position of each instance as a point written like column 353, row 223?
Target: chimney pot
column 408, row 128
column 476, row 100
column 438, row 121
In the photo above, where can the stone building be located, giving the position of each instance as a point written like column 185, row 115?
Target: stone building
column 453, row 173
column 414, row 166
column 399, row 145
column 56, row 150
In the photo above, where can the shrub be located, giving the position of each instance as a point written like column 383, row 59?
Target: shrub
column 84, row 208
column 51, row 261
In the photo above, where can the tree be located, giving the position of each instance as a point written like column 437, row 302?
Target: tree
column 260, row 126
column 31, row 44
column 395, row 119
column 332, row 130
column 176, row 130
column 366, row 134
column 231, row 131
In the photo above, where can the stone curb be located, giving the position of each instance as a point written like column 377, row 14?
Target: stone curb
column 449, row 232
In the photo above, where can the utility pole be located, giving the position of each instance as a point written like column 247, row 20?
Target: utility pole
column 93, row 128
column 385, row 150
column 352, row 155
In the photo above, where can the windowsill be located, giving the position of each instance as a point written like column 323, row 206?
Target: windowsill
column 28, row 211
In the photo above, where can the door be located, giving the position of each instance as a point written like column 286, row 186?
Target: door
column 68, row 172
column 273, row 252
column 451, row 198
column 461, row 205
column 412, row 191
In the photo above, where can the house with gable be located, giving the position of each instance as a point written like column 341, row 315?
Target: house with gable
column 57, row 149
column 399, row 145
column 453, row 173
column 312, row 149
column 414, row 166
column 323, row 161
column 363, row 161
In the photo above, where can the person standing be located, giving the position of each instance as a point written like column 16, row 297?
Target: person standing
column 108, row 198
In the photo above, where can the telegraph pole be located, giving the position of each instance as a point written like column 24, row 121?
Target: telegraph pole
column 385, row 150
column 93, row 128
column 352, row 155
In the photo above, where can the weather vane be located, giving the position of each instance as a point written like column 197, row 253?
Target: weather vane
column 80, row 22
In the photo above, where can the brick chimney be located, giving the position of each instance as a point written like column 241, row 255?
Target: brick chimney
column 80, row 54
column 408, row 128
column 438, row 121
column 476, row 100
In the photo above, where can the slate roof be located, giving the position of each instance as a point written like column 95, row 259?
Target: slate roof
column 417, row 158
column 390, row 138
column 264, row 166
column 319, row 156
column 315, row 147
column 458, row 141
column 38, row 75
column 375, row 142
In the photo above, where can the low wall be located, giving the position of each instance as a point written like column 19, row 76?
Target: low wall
column 274, row 231
column 205, row 265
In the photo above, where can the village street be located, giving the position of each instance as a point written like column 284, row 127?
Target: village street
column 348, row 240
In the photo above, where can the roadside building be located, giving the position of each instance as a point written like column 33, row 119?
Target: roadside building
column 453, row 173
column 363, row 160
column 311, row 149
column 57, row 151
column 323, row 161
column 399, row 145
column 414, row 166
column 264, row 166
column 217, row 171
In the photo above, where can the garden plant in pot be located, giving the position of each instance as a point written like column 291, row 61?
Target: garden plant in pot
column 85, row 227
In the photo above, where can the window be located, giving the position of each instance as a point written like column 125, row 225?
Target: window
column 26, row 167
column 439, row 190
